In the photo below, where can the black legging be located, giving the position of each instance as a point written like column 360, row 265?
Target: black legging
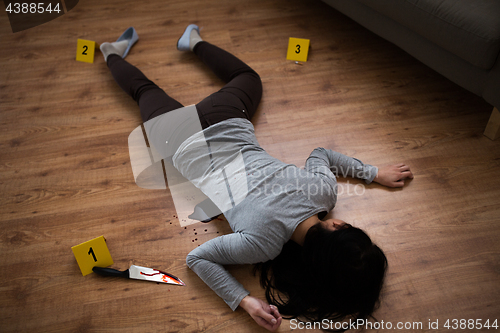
column 239, row 98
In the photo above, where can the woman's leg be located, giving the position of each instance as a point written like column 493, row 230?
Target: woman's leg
column 152, row 100
column 239, row 98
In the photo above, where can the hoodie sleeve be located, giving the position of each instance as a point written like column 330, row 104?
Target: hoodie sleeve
column 324, row 161
column 208, row 259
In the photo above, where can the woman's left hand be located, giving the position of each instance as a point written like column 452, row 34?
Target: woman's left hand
column 393, row 175
column 264, row 314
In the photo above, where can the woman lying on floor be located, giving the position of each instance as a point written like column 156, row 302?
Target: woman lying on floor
column 311, row 268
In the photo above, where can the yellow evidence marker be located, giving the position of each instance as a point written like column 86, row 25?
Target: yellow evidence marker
column 297, row 49
column 92, row 253
column 85, row 50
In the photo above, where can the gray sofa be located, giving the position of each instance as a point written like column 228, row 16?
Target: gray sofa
column 459, row 39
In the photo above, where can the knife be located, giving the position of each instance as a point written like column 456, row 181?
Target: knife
column 140, row 273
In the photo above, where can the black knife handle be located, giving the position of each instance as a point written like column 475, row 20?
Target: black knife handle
column 111, row 272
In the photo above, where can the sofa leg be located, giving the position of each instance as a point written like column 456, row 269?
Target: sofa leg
column 492, row 130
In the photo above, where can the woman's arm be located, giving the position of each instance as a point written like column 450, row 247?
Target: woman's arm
column 207, row 262
column 322, row 159
column 325, row 161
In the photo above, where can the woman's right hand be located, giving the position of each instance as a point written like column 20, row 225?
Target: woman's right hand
column 264, row 314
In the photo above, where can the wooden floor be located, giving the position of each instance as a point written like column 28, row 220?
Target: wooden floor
column 65, row 174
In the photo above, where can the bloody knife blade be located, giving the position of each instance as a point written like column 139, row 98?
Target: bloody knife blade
column 140, row 273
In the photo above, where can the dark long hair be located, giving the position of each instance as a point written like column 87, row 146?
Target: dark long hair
column 335, row 275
